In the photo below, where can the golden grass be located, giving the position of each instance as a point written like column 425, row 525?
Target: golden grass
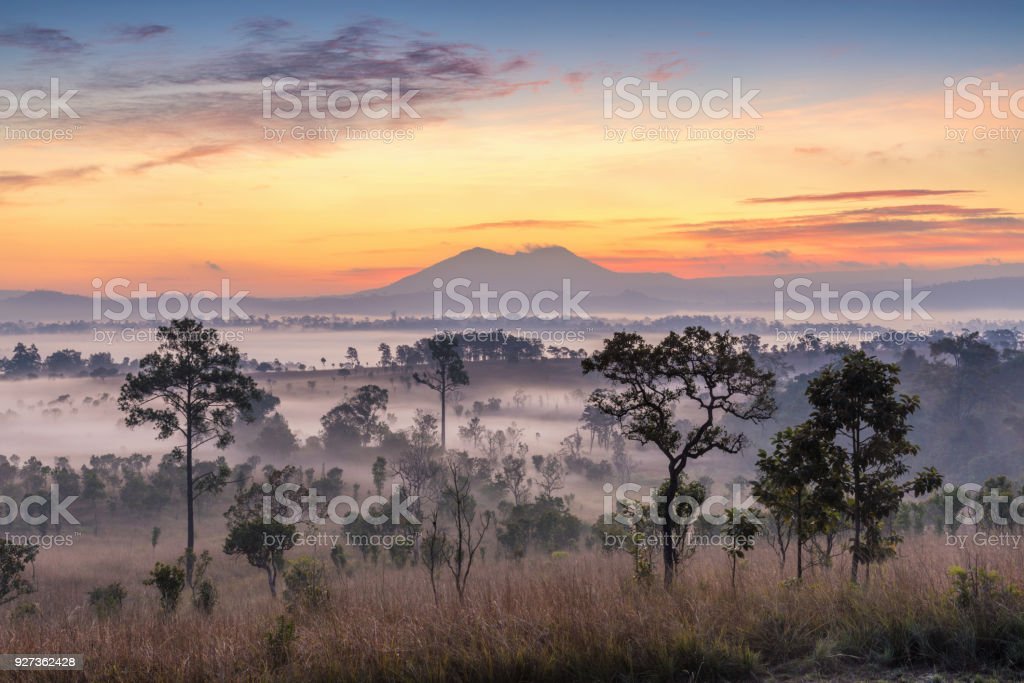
column 579, row 617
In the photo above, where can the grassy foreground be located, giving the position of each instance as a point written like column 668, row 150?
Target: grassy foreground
column 577, row 617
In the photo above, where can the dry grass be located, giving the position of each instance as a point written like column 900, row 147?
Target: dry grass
column 579, row 617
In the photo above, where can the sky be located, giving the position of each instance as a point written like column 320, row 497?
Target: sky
column 176, row 165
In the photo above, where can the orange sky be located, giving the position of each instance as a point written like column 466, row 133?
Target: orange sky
column 183, row 202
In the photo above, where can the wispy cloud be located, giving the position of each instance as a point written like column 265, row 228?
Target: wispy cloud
column 858, row 195
column 22, row 181
column 49, row 41
column 140, row 32
column 186, row 156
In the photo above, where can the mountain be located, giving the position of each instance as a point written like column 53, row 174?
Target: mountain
column 991, row 290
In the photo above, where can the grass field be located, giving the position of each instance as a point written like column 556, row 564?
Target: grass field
column 578, row 616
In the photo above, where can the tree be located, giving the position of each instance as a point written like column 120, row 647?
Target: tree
column 470, row 529
column 65, row 362
column 259, row 537
column 552, row 473
column 855, row 407
column 25, row 361
column 600, row 424
column 417, row 467
column 800, row 484
column 276, row 437
column 352, row 356
column 512, row 478
column 446, row 374
column 191, row 387
column 473, row 432
column 13, row 560
column 705, row 368
column 380, row 473
column 386, row 359
column 357, row 420
column 740, row 533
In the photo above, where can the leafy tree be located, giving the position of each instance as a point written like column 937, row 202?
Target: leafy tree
column 386, row 359
column 705, row 368
column 600, row 424
column 359, row 420
column 13, row 560
column 191, row 387
column 801, row 485
column 740, row 533
column 856, row 408
column 25, row 361
column 276, row 438
column 65, row 362
column 261, row 539
column 545, row 524
column 447, row 373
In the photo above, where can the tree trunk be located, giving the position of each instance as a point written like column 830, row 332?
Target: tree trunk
column 190, row 541
column 667, row 540
column 799, row 537
column 854, row 564
column 443, row 392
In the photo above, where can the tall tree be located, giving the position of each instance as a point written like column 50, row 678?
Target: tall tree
column 708, row 370
column 855, row 407
column 190, row 387
column 447, row 372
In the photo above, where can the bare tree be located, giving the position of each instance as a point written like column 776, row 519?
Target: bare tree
column 469, row 528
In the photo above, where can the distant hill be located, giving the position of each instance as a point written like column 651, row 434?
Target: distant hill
column 955, row 291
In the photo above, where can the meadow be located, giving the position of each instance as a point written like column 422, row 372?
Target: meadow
column 566, row 616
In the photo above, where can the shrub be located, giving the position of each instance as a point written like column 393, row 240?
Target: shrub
column 279, row 642
column 305, row 583
column 204, row 593
column 106, row 600
column 24, row 611
column 169, row 579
